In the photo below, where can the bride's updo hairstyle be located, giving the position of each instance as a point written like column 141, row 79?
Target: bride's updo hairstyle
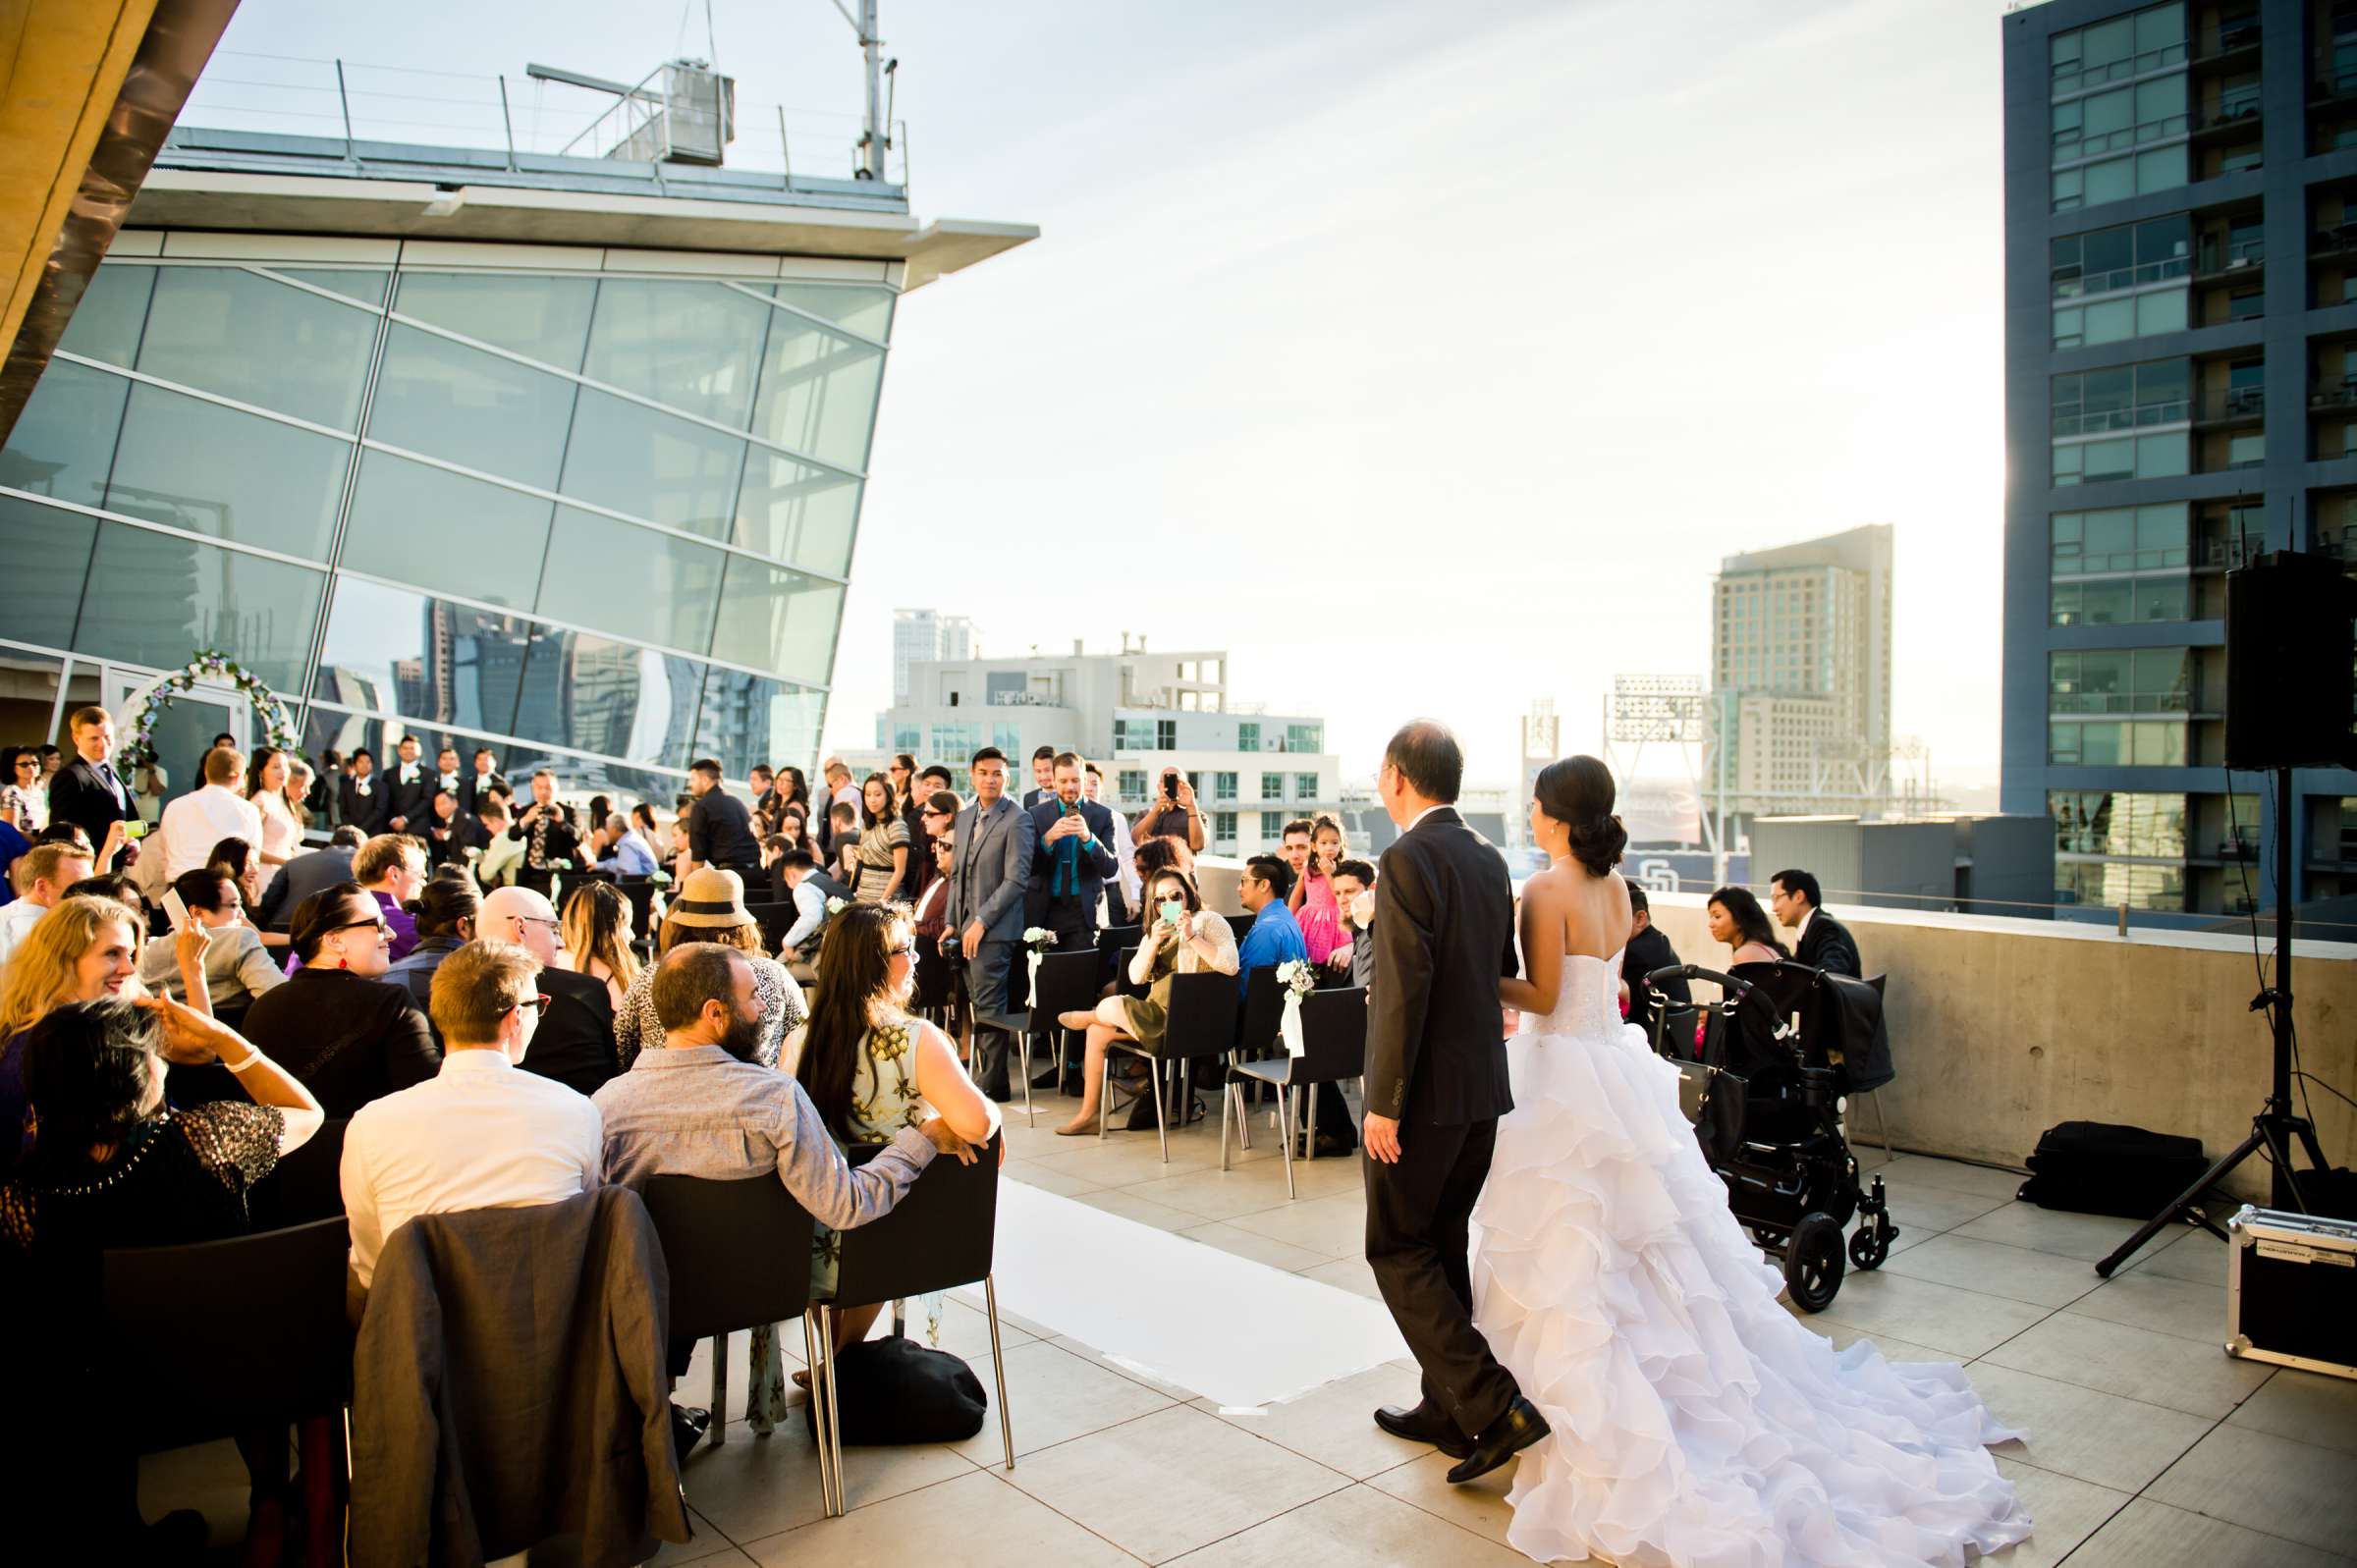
column 1578, row 792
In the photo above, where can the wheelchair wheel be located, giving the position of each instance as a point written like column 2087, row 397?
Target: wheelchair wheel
column 1868, row 1246
column 1813, row 1261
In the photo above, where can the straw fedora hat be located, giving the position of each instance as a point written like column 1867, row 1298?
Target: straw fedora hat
column 711, row 896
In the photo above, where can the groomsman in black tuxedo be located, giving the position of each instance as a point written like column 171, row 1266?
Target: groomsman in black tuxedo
column 87, row 791
column 477, row 785
column 410, row 792
column 360, row 799
column 1817, row 939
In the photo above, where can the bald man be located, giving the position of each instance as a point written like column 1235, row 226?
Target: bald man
column 575, row 1044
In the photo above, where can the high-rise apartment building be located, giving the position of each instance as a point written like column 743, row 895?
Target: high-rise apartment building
column 926, row 634
column 1801, row 676
column 2180, row 394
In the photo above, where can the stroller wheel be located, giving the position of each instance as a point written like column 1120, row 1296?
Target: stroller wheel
column 1868, row 1246
column 1813, row 1261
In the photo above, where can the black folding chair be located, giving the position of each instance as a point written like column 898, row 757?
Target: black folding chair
column 738, row 1256
column 641, row 892
column 940, row 1235
column 1256, row 1029
column 775, row 919
column 1113, row 941
column 1201, row 1028
column 1334, row 1047
column 306, row 1185
column 1069, row 982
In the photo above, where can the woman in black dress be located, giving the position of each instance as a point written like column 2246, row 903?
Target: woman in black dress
column 337, row 1024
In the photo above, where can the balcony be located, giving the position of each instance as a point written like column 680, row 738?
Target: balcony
column 2230, row 405
column 2336, row 239
column 2341, row 394
column 2227, row 555
column 2236, row 110
column 2239, row 259
column 2233, row 45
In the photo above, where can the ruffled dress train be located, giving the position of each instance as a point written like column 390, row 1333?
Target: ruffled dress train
column 1696, row 1423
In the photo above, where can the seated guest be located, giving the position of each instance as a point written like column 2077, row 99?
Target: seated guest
column 628, row 853
column 720, row 830
column 239, row 861
column 477, row 1134
column 337, row 1024
column 710, row 907
column 83, row 949
column 843, row 840
column 597, row 938
column 931, row 922
column 237, row 968
column 1817, row 939
column 326, row 799
column 1354, row 898
column 13, row 845
column 1152, row 856
column 361, row 795
column 503, row 851
column 114, row 885
column 391, row 869
column 447, row 909
column 43, row 873
column 441, row 830
column 298, row 798
column 203, row 817
column 574, row 1040
column 1181, row 938
column 642, row 823
column 812, row 893
column 774, row 846
column 1274, row 937
column 873, row 1073
column 1647, row 950
column 1736, row 919
column 307, row 873
column 882, row 854
column 697, row 1104
column 115, row 1166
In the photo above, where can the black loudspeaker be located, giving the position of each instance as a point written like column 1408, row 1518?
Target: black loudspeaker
column 2291, row 619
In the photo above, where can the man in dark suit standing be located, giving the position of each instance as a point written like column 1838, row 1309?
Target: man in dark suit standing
column 475, row 786
column 1817, row 939
column 409, row 790
column 990, row 868
column 86, row 792
column 1436, row 1085
column 360, row 797
column 1072, row 862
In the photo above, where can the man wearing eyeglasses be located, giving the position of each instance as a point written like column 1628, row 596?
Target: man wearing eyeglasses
column 575, row 1041
column 477, row 1134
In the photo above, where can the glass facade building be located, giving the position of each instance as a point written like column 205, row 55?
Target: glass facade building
column 597, row 518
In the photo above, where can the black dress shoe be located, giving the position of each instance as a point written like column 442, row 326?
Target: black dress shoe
column 1426, row 1422
column 689, row 1424
column 1507, row 1436
column 1046, row 1080
column 997, row 1089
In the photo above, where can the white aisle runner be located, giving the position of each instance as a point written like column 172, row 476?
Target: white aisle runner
column 1236, row 1332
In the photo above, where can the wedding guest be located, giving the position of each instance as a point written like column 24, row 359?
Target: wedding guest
column 546, row 831
column 710, row 907
column 83, row 949
column 794, row 785
column 597, row 938
column 762, row 779
column 1175, row 815
column 52, row 760
column 1121, row 894
column 883, row 845
column 298, row 797
column 574, row 1040
column 43, row 873
column 360, row 799
column 1736, row 919
column 446, row 775
column 237, row 966
column 86, row 792
column 642, row 823
column 629, row 854
column 13, row 845
column 481, row 782
column 477, row 1134
column 309, row 872
column 203, row 817
column 443, row 831
column 907, row 800
column 281, row 838
column 503, row 853
column 447, row 911
column 1817, row 939
column 391, row 868
column 1274, row 935
column 1073, row 860
column 1649, row 951
column 150, row 784
column 1181, row 938
column 326, row 799
column 873, row 1073
column 23, row 803
column 720, row 830
column 813, row 894
column 337, row 1024
column 1354, row 896
column 1312, row 898
column 409, row 790
column 1043, row 777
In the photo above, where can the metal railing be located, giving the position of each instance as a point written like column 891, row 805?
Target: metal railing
column 2229, row 40
column 2233, row 403
column 2106, row 420
column 2118, row 278
column 2337, row 395
column 2229, row 111
column 2238, row 255
column 2126, row 703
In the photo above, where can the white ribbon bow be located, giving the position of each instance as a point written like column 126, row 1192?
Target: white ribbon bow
column 1289, row 1025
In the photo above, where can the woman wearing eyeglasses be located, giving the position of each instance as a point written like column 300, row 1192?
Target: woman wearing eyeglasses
column 337, row 1024
column 23, row 800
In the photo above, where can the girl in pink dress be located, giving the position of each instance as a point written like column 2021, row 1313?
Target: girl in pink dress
column 1321, row 848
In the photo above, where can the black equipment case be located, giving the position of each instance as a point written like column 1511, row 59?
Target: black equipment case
column 2094, row 1168
column 2291, row 1290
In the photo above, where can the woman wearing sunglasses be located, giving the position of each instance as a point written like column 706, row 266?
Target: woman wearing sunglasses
column 338, row 1025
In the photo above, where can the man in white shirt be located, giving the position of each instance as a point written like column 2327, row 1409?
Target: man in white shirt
column 202, row 817
column 479, row 1134
column 43, row 873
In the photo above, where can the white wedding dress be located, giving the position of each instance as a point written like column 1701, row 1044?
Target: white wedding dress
column 1696, row 1423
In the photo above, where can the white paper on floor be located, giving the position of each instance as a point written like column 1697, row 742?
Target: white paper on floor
column 1236, row 1332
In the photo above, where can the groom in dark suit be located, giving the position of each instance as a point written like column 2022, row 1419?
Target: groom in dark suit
column 1817, row 939
column 1436, row 1085
column 86, row 791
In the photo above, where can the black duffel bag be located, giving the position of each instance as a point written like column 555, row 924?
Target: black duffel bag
column 895, row 1391
column 2094, row 1168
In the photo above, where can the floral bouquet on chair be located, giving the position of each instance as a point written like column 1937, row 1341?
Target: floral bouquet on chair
column 1298, row 980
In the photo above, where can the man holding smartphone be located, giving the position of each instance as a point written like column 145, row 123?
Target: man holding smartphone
column 1070, row 868
column 1175, row 815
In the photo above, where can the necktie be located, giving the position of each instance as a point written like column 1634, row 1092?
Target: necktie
column 106, row 777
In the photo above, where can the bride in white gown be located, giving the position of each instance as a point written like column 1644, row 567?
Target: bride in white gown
column 1696, row 1423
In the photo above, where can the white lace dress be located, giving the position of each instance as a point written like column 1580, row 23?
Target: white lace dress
column 1696, row 1423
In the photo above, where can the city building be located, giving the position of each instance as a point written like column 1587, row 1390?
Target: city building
column 2180, row 395
column 1959, row 864
column 1135, row 713
column 560, row 455
column 926, row 634
column 1800, row 708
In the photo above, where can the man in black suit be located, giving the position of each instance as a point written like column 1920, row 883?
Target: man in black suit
column 1817, row 939
column 484, row 778
column 1648, row 950
column 310, row 873
column 87, row 791
column 1436, row 1085
column 1043, row 777
column 360, row 797
column 574, row 1041
column 720, row 830
column 409, row 791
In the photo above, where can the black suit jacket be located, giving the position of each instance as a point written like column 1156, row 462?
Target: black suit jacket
column 1828, row 945
column 366, row 813
column 300, row 878
column 1094, row 867
column 1648, row 950
column 77, row 795
column 413, row 800
column 575, row 1043
column 470, row 787
column 1443, row 935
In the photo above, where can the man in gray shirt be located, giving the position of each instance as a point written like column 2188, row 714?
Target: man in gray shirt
column 701, row 1105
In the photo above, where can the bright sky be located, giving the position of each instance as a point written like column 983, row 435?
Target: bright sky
column 1425, row 356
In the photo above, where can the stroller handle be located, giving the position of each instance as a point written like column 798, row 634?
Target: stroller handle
column 1687, row 971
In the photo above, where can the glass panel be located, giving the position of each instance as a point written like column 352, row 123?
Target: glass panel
column 422, row 524
column 2160, row 102
column 48, row 554
column 2162, row 456
column 214, row 470
column 2162, row 382
column 626, row 580
column 2111, row 255
column 2104, row 603
column 651, row 464
column 390, row 650
column 2110, row 182
column 2162, row 599
column 773, row 619
column 2158, row 745
column 2100, row 744
column 2159, row 27
column 2110, row 459
column 818, row 392
column 2161, row 169
column 864, row 310
column 232, row 332
column 471, row 408
column 2111, row 320
column 2106, row 113
column 2108, row 533
column 2160, row 312
column 688, row 345
column 153, row 600
column 797, row 514
column 598, row 694
column 2107, row 43
column 747, row 719
column 64, row 441
column 368, row 288
column 106, row 324
column 541, row 319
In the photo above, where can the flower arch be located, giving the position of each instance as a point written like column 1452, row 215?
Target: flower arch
column 150, row 702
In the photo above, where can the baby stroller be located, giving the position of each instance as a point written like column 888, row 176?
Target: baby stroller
column 1769, row 1123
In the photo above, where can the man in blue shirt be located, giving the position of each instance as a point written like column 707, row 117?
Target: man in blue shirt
column 1274, row 935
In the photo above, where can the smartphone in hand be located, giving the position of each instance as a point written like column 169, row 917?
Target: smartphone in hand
column 176, row 908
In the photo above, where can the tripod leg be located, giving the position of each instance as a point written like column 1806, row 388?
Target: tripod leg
column 2183, row 1201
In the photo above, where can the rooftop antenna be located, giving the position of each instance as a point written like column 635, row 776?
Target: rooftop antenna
column 876, row 138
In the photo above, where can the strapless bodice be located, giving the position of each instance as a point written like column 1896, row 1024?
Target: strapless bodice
column 1589, row 1002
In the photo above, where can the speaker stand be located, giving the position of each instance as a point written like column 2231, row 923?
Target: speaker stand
column 2276, row 1126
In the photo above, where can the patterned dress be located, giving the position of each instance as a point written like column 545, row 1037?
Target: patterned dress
column 876, row 845
column 637, row 1025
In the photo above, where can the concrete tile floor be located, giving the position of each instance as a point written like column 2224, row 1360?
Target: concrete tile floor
column 2147, row 1447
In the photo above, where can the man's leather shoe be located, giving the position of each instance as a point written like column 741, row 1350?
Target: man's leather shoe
column 1507, row 1436
column 1046, row 1080
column 997, row 1089
column 689, row 1424
column 1426, row 1422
